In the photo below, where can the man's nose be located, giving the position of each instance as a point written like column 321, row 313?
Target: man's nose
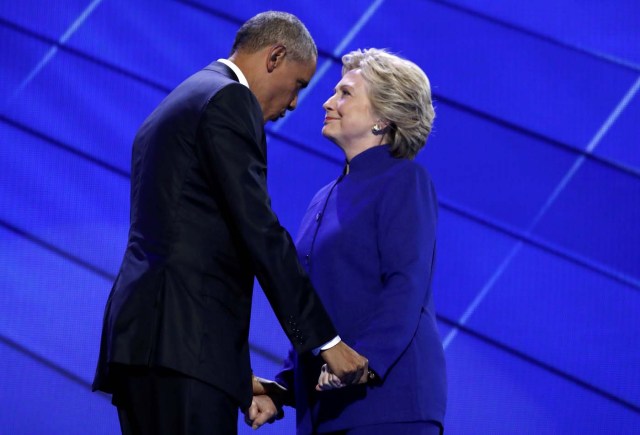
column 293, row 104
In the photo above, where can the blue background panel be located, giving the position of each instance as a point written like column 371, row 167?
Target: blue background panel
column 622, row 141
column 64, row 200
column 598, row 216
column 20, row 53
column 468, row 253
column 53, row 314
column 38, row 399
column 535, row 155
column 605, row 29
column 493, row 392
column 495, row 166
column 328, row 22
column 560, row 306
column 52, row 21
column 169, row 40
column 71, row 81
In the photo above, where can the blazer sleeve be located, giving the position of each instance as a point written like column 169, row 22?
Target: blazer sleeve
column 286, row 378
column 406, row 233
column 233, row 156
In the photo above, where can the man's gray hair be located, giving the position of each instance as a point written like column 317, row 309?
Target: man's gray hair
column 273, row 27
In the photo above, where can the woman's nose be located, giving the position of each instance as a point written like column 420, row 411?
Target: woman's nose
column 328, row 104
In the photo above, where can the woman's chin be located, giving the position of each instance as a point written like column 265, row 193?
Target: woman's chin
column 328, row 136
column 326, row 132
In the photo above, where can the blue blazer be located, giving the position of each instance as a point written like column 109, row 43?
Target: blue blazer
column 368, row 242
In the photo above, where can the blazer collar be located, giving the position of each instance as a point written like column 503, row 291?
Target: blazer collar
column 374, row 159
column 241, row 78
column 225, row 70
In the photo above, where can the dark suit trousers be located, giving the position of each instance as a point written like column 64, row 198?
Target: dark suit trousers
column 157, row 401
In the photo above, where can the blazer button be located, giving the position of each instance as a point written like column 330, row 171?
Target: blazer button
column 318, row 216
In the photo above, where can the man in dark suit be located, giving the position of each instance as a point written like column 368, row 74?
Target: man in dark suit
column 174, row 348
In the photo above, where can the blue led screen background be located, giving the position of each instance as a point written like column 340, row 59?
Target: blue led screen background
column 535, row 156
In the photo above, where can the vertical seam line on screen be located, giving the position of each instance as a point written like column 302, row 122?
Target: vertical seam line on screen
column 593, row 143
column 353, row 31
column 53, row 50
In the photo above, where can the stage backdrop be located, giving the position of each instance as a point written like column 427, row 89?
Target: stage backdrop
column 535, row 155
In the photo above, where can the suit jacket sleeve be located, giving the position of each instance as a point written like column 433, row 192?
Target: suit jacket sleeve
column 232, row 151
column 406, row 241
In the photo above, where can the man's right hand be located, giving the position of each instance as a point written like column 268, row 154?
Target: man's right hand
column 346, row 364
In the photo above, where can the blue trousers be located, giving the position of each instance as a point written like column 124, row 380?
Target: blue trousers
column 401, row 428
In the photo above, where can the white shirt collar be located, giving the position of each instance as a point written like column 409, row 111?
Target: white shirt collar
column 241, row 78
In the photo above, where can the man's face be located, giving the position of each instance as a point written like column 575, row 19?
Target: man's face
column 286, row 81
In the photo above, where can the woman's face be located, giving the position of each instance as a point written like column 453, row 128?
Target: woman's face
column 349, row 116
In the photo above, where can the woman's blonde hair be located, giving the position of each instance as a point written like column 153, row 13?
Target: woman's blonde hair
column 400, row 94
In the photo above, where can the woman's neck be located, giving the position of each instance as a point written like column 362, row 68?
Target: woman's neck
column 352, row 150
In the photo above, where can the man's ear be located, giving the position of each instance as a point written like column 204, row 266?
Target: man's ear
column 276, row 57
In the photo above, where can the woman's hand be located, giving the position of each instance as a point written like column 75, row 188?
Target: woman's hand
column 328, row 381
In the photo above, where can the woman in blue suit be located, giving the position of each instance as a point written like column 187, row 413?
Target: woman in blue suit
column 368, row 242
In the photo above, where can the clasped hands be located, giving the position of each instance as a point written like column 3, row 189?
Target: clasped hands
column 343, row 366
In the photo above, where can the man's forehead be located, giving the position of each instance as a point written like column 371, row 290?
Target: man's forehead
column 303, row 70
